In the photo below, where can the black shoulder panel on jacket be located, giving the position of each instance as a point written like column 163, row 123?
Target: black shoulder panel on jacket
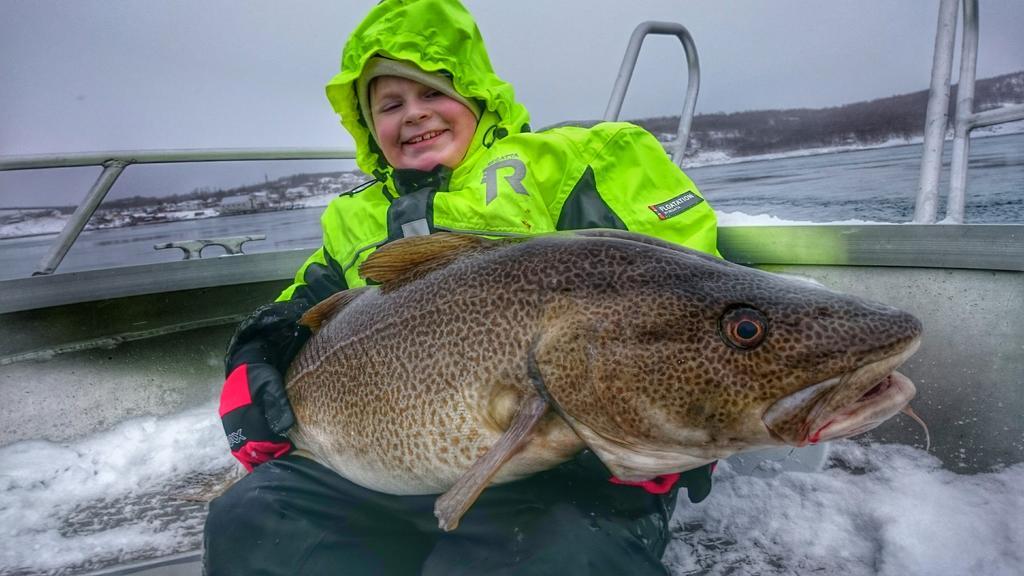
column 584, row 208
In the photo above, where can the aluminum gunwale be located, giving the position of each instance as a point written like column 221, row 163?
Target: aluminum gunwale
column 965, row 246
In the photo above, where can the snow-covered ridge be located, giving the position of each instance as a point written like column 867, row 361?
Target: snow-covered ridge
column 718, row 157
column 14, row 223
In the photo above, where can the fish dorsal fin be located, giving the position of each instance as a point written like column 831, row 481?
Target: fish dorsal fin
column 327, row 308
column 407, row 259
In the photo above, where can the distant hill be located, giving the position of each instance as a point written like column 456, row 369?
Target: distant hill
column 861, row 123
column 310, row 180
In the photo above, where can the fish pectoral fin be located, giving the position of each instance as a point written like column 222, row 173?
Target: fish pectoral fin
column 451, row 505
column 327, row 308
column 407, row 259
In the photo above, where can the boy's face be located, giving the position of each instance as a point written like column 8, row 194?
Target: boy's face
column 417, row 126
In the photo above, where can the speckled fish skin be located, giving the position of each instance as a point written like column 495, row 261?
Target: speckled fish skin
column 408, row 385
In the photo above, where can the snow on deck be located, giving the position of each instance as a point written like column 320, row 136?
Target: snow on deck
column 874, row 509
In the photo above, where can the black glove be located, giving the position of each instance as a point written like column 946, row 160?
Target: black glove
column 254, row 407
column 255, row 413
column 698, row 482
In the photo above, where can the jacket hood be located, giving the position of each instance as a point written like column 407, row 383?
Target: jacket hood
column 436, row 35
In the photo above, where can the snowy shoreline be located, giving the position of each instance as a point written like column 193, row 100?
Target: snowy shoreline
column 718, row 158
column 53, row 224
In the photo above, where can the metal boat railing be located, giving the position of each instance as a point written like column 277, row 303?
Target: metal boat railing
column 966, row 120
column 611, row 113
column 114, row 163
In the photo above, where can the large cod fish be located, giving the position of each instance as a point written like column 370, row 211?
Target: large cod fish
column 480, row 361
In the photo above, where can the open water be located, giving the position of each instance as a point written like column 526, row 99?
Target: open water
column 876, row 185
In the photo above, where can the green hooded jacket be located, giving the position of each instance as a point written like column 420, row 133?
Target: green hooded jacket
column 510, row 182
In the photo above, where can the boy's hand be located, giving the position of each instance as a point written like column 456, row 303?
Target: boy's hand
column 255, row 412
column 698, row 482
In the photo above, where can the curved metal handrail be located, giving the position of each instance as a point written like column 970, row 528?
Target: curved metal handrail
column 692, row 85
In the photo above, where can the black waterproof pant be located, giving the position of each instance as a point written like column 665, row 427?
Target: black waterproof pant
column 293, row 516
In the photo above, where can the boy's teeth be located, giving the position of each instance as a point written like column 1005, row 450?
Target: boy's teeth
column 426, row 136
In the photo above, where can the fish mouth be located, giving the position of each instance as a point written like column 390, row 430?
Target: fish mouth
column 844, row 405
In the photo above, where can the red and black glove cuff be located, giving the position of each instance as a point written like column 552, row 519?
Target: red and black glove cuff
column 254, row 428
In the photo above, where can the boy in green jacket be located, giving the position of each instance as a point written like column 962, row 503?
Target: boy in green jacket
column 450, row 150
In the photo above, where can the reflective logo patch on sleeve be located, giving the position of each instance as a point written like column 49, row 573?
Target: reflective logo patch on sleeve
column 676, row 206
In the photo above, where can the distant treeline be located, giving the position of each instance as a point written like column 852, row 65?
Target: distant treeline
column 206, row 194
column 872, row 122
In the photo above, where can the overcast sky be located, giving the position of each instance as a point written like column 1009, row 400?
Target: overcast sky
column 89, row 75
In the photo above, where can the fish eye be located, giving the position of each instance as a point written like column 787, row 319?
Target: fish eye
column 743, row 328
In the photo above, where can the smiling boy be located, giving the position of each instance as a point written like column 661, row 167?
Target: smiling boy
column 450, row 149
column 417, row 126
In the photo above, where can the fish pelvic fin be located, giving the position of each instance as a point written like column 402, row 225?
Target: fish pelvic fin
column 316, row 316
column 450, row 507
column 407, row 259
